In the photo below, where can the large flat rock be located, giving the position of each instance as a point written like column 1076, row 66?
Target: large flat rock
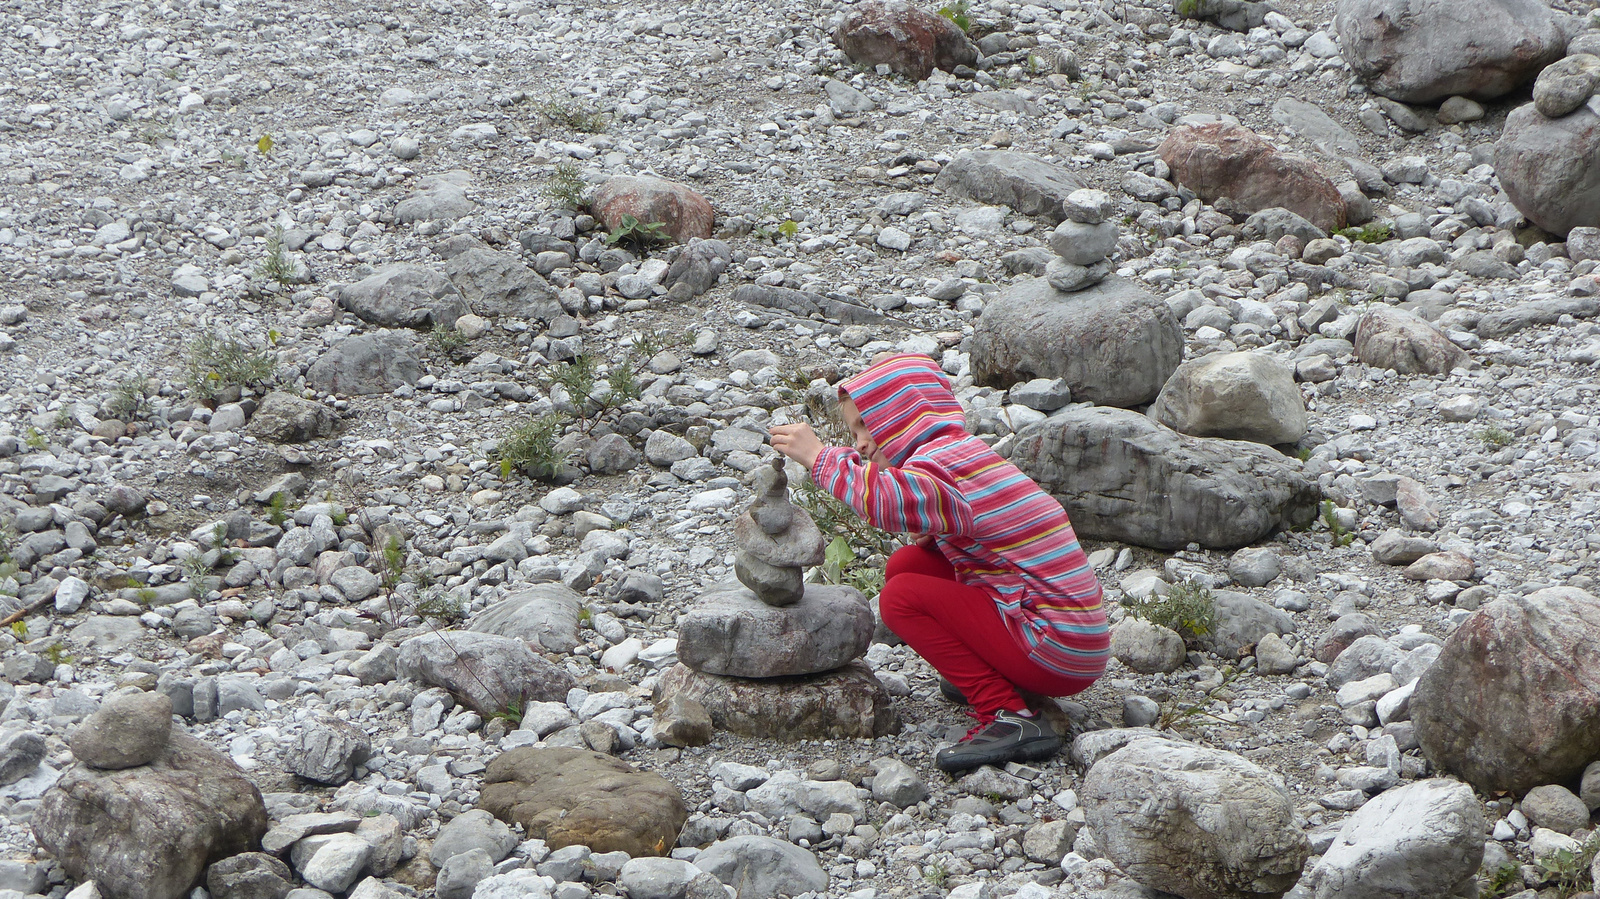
column 730, row 631
column 1123, row 477
column 575, row 797
column 845, row 704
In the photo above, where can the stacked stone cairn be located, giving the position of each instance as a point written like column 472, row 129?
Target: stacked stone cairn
column 773, row 656
column 1082, row 242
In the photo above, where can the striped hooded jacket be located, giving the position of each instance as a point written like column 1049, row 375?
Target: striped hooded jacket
column 1000, row 532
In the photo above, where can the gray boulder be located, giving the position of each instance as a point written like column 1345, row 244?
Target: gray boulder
column 1147, row 648
column 1242, row 621
column 543, row 615
column 21, row 751
column 656, row 878
column 249, row 875
column 328, row 751
column 440, row 198
column 1234, row 15
column 1022, row 181
column 1423, row 51
column 1114, row 344
column 149, row 832
column 286, row 418
column 474, row 829
column 897, row 783
column 128, row 730
column 1240, row 396
column 1422, row 839
column 1195, row 821
column 370, row 363
column 698, row 267
column 806, row 304
column 731, row 631
column 908, row 39
column 489, row 673
column 1123, row 477
column 461, row 874
column 1566, row 84
column 1545, row 167
column 1512, row 701
column 762, row 867
column 1394, row 338
column 847, row 703
column 401, row 295
column 498, row 283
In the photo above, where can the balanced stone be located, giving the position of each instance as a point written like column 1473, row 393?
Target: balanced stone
column 730, row 631
column 775, row 540
column 848, row 703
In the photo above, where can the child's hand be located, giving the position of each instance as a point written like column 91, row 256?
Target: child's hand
column 798, row 442
column 925, row 541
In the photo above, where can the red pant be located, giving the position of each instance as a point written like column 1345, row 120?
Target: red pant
column 959, row 631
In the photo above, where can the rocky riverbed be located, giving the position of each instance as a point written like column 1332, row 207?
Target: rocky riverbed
column 382, row 384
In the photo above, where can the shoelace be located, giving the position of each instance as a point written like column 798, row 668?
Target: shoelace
column 984, row 719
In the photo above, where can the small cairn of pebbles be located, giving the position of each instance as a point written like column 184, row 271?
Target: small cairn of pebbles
column 1082, row 242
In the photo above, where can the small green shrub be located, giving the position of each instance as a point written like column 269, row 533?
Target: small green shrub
column 574, row 115
column 530, row 447
column 34, row 438
column 1373, row 233
column 447, row 341
column 441, row 608
column 278, row 508
column 1501, row 882
column 1187, row 608
column 391, row 562
column 1330, row 517
column 212, row 364
column 856, row 551
column 641, row 236
column 195, row 573
column 130, row 398
column 1569, row 872
column 277, row 264
column 19, row 629
column 1496, row 437
column 957, row 11
column 566, row 187
column 57, row 654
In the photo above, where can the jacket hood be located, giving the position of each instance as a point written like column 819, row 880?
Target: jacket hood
column 905, row 401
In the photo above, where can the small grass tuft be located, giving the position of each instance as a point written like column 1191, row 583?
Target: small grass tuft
column 447, row 341
column 1330, row 517
column 277, row 265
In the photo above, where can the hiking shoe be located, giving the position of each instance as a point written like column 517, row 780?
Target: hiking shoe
column 952, row 692
column 1002, row 737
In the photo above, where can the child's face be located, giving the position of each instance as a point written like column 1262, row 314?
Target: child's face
column 864, row 444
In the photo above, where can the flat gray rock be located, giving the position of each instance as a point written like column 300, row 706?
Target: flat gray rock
column 401, row 295
column 1121, row 476
column 1421, row 839
column 376, row 362
column 544, row 614
column 730, row 631
column 1022, row 181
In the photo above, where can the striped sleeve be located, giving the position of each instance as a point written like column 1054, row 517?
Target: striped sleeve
column 902, row 500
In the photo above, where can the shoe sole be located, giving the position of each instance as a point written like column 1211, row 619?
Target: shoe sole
column 1031, row 751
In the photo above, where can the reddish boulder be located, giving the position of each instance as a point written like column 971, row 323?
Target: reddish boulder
column 1222, row 160
column 686, row 214
column 909, row 40
column 1514, row 698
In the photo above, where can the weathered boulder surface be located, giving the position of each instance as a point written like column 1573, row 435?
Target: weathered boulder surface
column 1121, row 476
column 1394, row 338
column 149, row 832
column 489, row 673
column 1195, row 821
column 1022, row 181
column 847, row 703
column 376, row 362
column 1423, row 51
column 1513, row 700
column 1222, row 160
column 498, row 283
column 286, row 418
column 1114, row 343
column 544, row 615
column 1422, row 839
column 730, row 631
column 401, row 295
column 685, row 213
column 1545, row 167
column 1240, row 396
column 908, row 40
column 760, row 867
column 575, row 797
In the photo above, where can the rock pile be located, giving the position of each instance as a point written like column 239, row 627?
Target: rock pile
column 1109, row 340
column 1544, row 157
column 775, row 657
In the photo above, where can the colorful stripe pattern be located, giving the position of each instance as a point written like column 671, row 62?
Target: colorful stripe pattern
column 1000, row 532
